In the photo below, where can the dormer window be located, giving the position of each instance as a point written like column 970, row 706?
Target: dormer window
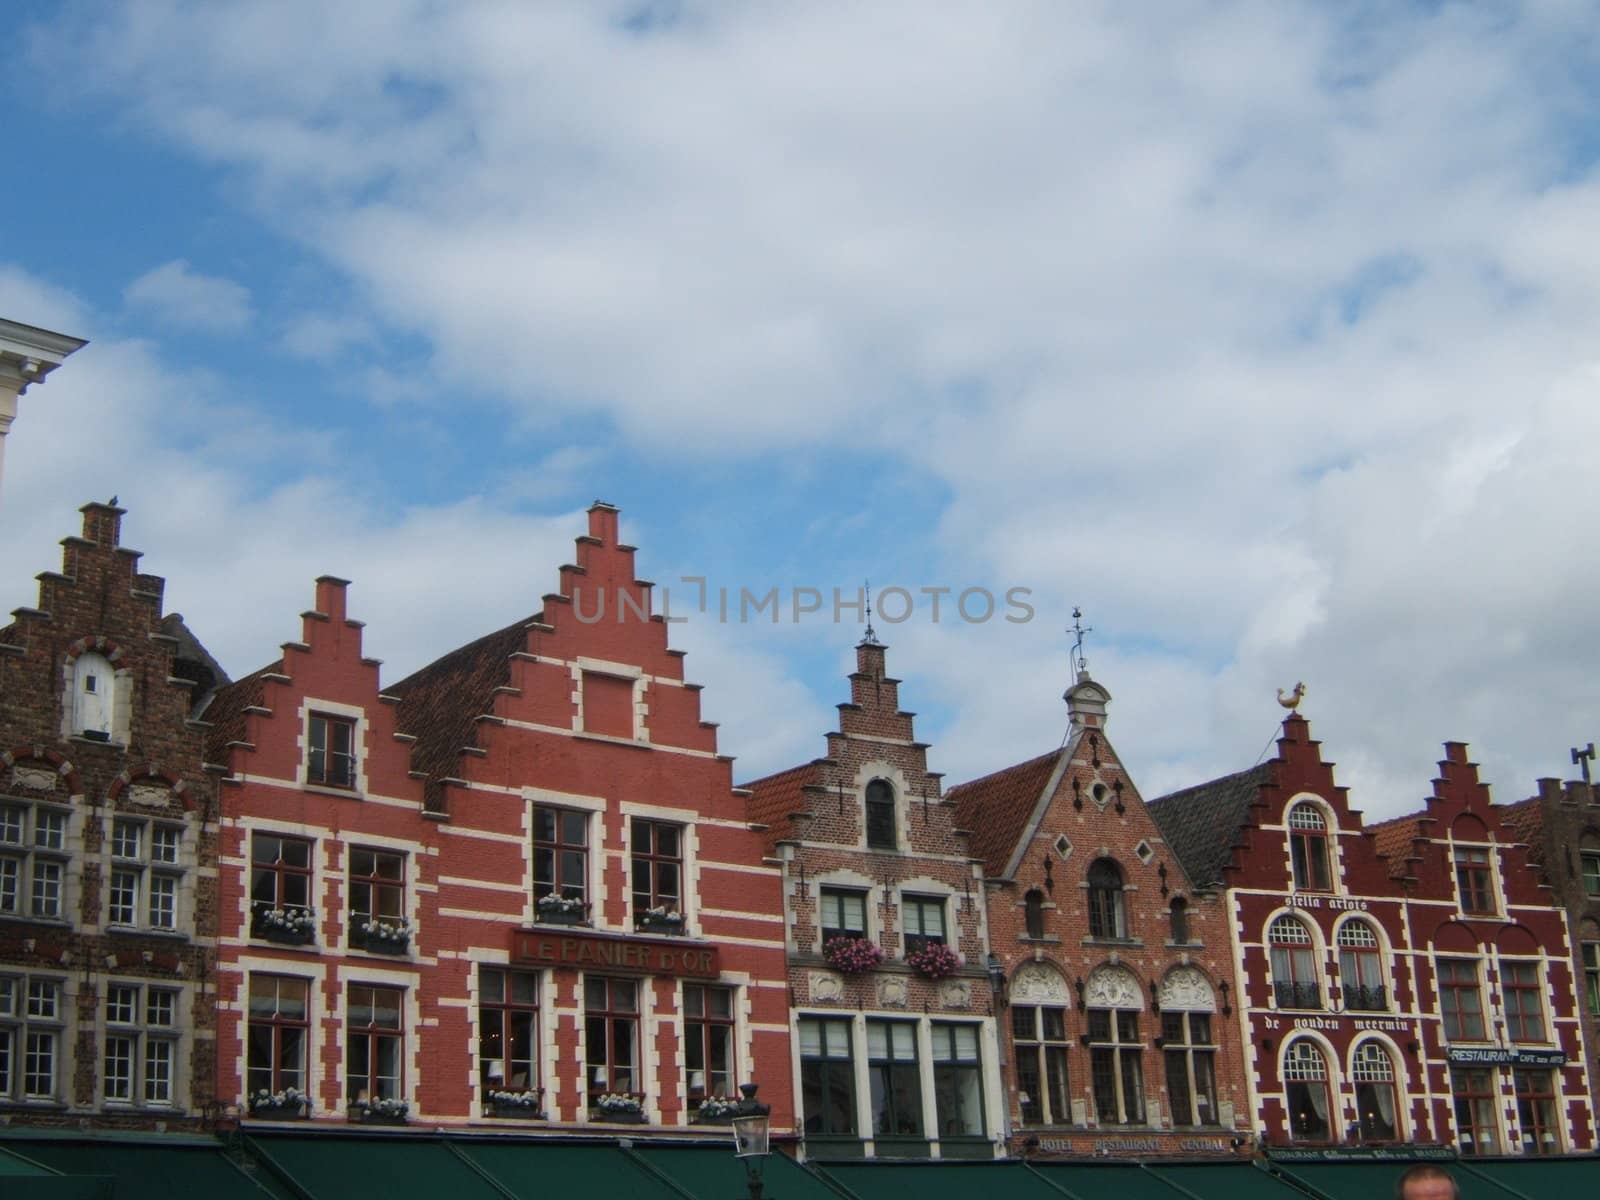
column 1308, row 849
column 332, row 761
column 880, row 816
column 93, row 697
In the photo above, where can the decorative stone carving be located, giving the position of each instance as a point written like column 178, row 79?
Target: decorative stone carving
column 1035, row 983
column 955, row 993
column 1186, row 990
column 826, row 987
column 151, row 795
column 1113, row 987
column 33, row 779
column 892, row 991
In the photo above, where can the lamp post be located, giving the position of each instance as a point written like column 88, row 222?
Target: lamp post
column 752, row 1128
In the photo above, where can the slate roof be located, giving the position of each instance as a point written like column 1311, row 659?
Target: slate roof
column 996, row 808
column 1201, row 823
column 440, row 704
column 226, row 713
column 774, row 797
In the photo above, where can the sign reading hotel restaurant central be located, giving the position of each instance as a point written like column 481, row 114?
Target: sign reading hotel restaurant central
column 648, row 956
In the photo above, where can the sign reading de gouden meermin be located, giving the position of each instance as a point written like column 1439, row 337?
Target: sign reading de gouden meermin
column 646, row 956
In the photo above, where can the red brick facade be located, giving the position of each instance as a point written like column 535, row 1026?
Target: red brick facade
column 1377, row 965
column 1119, row 1037
column 525, row 801
column 107, row 849
column 894, row 1059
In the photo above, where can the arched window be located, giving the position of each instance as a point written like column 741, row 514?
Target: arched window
column 93, row 696
column 1116, row 1053
column 1305, row 1075
column 1376, row 1111
column 880, row 816
column 1308, row 849
column 1294, row 964
column 1178, row 911
column 1033, row 913
column 1107, row 917
column 1361, row 968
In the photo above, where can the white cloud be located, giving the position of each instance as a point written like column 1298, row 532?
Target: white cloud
column 1263, row 331
column 173, row 294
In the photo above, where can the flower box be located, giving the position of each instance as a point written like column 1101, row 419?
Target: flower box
column 290, row 1104
column 380, row 937
column 379, row 1112
column 623, row 1108
column 715, row 1110
column 655, row 921
column 528, row 1105
column 616, row 1116
column 934, row 961
column 290, row 926
column 551, row 909
column 852, row 955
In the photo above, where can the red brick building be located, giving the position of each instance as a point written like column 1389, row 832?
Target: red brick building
column 1506, row 1065
column 1119, row 1037
column 107, row 848
column 1387, row 975
column 537, row 898
column 896, row 1054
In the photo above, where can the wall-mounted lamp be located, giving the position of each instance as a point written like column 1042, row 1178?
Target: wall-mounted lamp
column 997, row 977
column 1227, row 1009
column 1083, row 1004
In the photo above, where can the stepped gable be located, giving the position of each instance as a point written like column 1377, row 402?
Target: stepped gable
column 442, row 704
column 997, row 808
column 228, row 713
column 1202, row 823
column 1525, row 819
column 1396, row 843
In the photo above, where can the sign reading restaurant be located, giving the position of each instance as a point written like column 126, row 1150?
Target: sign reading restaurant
column 1502, row 1056
column 647, row 956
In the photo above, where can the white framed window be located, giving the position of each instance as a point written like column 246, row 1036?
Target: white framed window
column 1377, row 1106
column 141, row 1045
column 33, row 860
column 32, row 1038
column 146, row 874
column 93, row 699
column 1305, row 1074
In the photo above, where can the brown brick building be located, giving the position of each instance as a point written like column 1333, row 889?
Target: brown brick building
column 896, row 1053
column 107, row 848
column 1561, row 824
column 1119, row 1036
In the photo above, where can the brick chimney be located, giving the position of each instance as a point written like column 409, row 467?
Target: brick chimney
column 102, row 524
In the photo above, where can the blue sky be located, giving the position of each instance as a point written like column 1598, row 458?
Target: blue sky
column 1264, row 332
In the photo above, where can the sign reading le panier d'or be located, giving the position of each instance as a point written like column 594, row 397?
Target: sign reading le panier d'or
column 649, row 956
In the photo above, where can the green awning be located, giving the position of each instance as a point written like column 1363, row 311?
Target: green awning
column 544, row 1170
column 1107, row 1181
column 151, row 1169
column 15, row 1164
column 1536, row 1178
column 939, row 1180
column 1224, row 1181
column 714, row 1173
column 1365, row 1180
column 329, row 1166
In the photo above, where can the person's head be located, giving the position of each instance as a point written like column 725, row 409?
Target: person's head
column 1426, row 1182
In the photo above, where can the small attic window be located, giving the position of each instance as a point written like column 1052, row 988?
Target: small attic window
column 1063, row 847
column 1144, row 852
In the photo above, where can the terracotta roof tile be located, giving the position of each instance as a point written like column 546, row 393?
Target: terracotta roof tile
column 774, row 797
column 996, row 808
column 1201, row 823
column 1394, row 842
column 440, row 704
column 1525, row 820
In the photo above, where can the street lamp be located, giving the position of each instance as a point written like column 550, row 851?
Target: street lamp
column 752, row 1128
